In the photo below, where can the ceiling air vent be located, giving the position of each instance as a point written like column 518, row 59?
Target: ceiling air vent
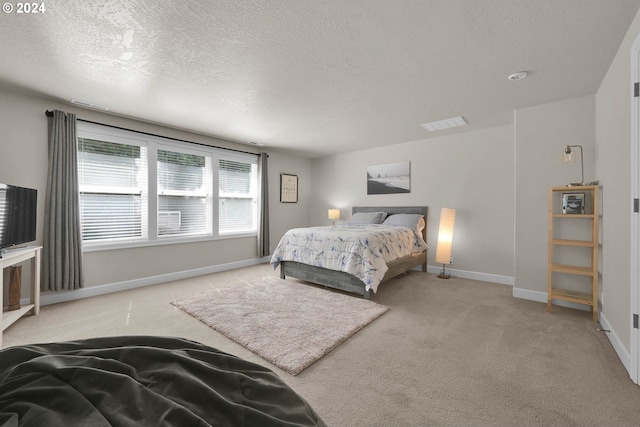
column 89, row 105
column 444, row 124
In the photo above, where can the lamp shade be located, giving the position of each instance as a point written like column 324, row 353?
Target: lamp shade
column 445, row 236
column 334, row 214
column 569, row 156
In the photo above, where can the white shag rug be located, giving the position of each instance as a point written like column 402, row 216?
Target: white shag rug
column 287, row 323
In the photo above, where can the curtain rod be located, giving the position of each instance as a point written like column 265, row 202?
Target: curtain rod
column 49, row 113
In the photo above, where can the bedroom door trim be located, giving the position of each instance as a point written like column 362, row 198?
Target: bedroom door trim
column 635, row 224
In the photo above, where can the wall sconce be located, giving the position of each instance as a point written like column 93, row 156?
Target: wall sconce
column 445, row 240
column 569, row 156
column 333, row 215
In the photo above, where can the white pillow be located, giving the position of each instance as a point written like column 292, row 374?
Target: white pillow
column 415, row 221
column 367, row 218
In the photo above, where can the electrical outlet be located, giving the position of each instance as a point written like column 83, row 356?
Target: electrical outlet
column 451, row 260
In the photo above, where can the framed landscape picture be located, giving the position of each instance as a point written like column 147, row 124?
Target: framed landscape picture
column 390, row 178
column 288, row 188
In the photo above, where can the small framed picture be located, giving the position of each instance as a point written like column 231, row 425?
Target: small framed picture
column 572, row 203
column 288, row 188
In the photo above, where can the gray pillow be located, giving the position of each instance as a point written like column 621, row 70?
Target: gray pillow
column 415, row 221
column 367, row 218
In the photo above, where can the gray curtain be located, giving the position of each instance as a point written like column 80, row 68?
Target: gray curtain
column 263, row 212
column 62, row 242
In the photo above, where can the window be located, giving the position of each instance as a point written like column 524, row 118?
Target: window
column 238, row 196
column 137, row 189
column 184, row 193
column 113, row 190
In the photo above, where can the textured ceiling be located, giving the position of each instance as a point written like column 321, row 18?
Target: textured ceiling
column 314, row 76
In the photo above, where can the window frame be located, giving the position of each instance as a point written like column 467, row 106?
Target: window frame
column 154, row 143
column 206, row 192
column 95, row 134
column 255, row 189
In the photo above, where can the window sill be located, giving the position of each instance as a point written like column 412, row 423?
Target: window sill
column 94, row 247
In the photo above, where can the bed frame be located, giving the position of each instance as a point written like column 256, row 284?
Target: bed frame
column 346, row 282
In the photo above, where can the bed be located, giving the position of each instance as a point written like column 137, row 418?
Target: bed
column 338, row 278
column 142, row 381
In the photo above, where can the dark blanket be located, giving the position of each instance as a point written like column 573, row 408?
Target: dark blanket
column 142, row 381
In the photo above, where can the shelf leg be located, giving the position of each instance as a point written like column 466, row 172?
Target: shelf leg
column 35, row 276
column 15, row 287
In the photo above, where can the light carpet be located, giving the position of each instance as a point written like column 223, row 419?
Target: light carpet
column 289, row 324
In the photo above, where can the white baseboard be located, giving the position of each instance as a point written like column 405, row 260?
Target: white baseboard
column 47, row 298
column 621, row 351
column 58, row 297
column 474, row 275
column 542, row 297
column 64, row 296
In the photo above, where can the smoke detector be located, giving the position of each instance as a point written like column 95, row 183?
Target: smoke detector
column 518, row 75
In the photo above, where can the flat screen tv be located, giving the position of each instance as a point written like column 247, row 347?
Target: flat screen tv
column 17, row 215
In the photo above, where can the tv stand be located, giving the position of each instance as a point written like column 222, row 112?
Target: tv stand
column 13, row 257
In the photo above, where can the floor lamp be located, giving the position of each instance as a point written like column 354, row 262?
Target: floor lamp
column 445, row 240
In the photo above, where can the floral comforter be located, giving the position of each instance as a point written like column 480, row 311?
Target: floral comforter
column 360, row 250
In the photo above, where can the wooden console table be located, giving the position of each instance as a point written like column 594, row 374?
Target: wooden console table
column 13, row 257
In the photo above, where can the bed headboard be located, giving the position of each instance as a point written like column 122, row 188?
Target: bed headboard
column 391, row 210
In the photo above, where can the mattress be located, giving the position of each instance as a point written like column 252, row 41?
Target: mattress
column 362, row 250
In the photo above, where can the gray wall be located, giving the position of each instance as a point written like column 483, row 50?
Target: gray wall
column 541, row 134
column 24, row 162
column 602, row 124
column 288, row 215
column 471, row 172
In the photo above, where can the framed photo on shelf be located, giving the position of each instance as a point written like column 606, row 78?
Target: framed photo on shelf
column 288, row 188
column 572, row 203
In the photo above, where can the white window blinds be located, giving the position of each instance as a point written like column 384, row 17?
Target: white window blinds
column 113, row 190
column 138, row 188
column 184, row 193
column 238, row 196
